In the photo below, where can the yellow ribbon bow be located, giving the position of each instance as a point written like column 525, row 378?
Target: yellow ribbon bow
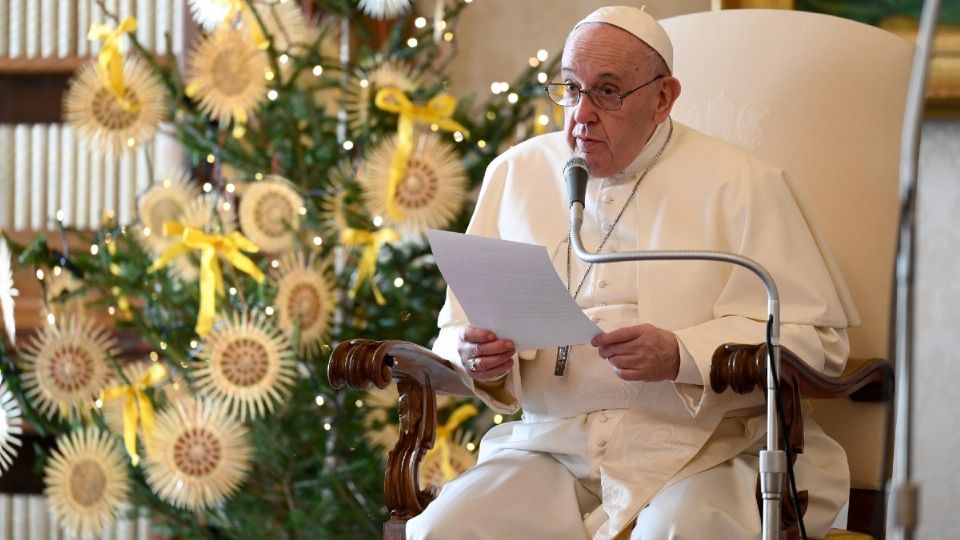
column 437, row 111
column 137, row 408
column 111, row 59
column 228, row 246
column 371, row 242
column 249, row 18
column 444, row 433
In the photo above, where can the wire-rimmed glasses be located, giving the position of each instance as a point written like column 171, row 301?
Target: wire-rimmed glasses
column 605, row 97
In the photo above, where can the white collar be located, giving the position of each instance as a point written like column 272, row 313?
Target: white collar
column 646, row 155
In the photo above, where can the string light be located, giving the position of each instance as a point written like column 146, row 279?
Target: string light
column 543, row 119
column 513, row 97
column 112, row 310
column 481, row 143
column 377, row 221
column 542, row 77
column 457, row 136
column 193, row 344
column 226, row 206
column 258, row 176
column 327, row 426
column 154, row 356
column 163, row 345
column 302, row 211
column 131, row 142
column 420, row 22
column 319, row 400
column 232, row 291
column 57, row 271
column 358, row 403
column 59, row 215
column 230, row 187
column 275, row 264
column 348, row 145
column 40, row 274
column 448, row 36
column 94, row 249
column 498, row 419
column 51, row 319
column 207, row 187
column 317, row 241
column 211, row 158
column 542, row 55
column 268, row 75
column 471, row 447
column 98, row 403
column 269, row 311
column 398, row 282
column 317, row 70
column 364, row 83
column 272, row 95
column 284, row 58
column 412, row 42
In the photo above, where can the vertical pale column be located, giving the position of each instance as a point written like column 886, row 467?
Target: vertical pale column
column 145, row 23
column 169, row 155
column 109, row 187
column 163, row 11
column 96, row 17
column 21, row 516
column 177, row 35
column 143, row 526
column 33, row 29
column 126, row 525
column 55, row 179
column 6, row 178
column 68, row 174
column 143, row 173
column 6, row 509
column 67, row 29
column 128, row 187
column 83, row 26
column 95, row 200
column 21, row 176
column 123, row 10
column 80, row 201
column 48, row 27
column 39, row 517
column 109, row 531
column 16, row 21
column 5, row 28
column 38, row 176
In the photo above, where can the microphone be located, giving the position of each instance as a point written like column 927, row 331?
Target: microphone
column 576, row 172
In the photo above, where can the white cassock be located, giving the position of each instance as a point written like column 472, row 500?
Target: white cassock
column 593, row 453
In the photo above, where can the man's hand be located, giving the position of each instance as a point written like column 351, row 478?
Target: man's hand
column 484, row 355
column 640, row 353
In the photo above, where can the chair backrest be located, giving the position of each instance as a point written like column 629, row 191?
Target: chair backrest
column 822, row 97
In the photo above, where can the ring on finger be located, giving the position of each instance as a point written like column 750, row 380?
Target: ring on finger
column 473, row 364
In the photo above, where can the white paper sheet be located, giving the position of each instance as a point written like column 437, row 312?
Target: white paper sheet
column 511, row 289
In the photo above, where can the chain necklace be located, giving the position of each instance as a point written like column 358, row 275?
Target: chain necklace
column 564, row 351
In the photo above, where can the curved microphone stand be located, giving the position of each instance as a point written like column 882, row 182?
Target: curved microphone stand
column 773, row 460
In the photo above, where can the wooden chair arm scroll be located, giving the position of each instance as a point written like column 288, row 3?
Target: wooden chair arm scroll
column 743, row 369
column 420, row 374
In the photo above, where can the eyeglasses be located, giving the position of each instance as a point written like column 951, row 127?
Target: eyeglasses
column 568, row 94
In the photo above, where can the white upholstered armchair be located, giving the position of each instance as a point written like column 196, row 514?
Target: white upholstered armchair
column 822, row 97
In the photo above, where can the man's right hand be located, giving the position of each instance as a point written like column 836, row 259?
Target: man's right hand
column 484, row 355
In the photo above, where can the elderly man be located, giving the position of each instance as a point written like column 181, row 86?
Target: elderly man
column 621, row 438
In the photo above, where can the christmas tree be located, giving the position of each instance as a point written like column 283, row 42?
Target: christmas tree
column 322, row 146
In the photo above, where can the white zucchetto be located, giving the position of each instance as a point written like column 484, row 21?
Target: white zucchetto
column 639, row 23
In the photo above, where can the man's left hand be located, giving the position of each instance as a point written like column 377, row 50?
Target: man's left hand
column 640, row 353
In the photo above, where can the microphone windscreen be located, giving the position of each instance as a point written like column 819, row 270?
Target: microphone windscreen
column 576, row 172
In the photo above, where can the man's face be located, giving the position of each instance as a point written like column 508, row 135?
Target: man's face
column 604, row 56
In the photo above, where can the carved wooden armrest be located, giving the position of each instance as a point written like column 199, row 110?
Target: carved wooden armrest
column 743, row 369
column 420, row 374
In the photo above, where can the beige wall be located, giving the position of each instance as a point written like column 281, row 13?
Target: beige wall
column 497, row 37
column 936, row 446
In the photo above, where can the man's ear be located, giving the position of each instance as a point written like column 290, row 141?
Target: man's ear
column 669, row 92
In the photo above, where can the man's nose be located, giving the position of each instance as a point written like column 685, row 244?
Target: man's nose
column 585, row 111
